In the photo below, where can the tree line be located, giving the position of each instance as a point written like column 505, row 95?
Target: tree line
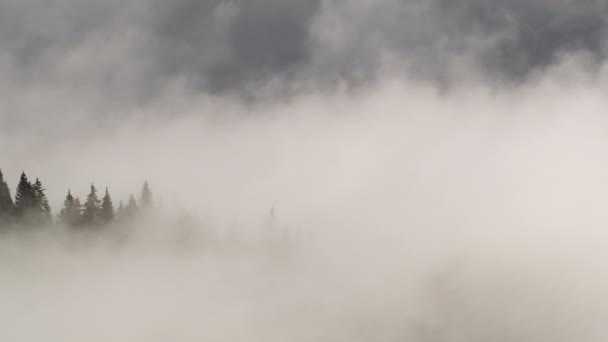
column 30, row 206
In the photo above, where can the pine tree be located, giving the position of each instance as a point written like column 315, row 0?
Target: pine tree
column 41, row 204
column 78, row 211
column 145, row 199
column 68, row 205
column 120, row 212
column 6, row 201
column 107, row 208
column 71, row 211
column 24, row 197
column 131, row 208
column 92, row 208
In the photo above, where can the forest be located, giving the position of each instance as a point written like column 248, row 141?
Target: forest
column 142, row 217
column 30, row 206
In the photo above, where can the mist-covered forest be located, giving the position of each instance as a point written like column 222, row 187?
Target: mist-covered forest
column 30, row 206
column 28, row 213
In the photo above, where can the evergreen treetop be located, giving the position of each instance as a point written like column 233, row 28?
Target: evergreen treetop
column 6, row 201
column 24, row 196
column 41, row 202
column 131, row 208
column 71, row 211
column 145, row 199
column 120, row 212
column 107, row 208
column 92, row 207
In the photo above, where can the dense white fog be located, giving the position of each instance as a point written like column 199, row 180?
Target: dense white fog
column 404, row 214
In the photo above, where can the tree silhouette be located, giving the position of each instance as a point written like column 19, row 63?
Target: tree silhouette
column 70, row 214
column 107, row 208
column 145, row 198
column 24, row 197
column 6, row 201
column 120, row 212
column 131, row 208
column 31, row 205
column 78, row 210
column 92, row 208
column 41, row 204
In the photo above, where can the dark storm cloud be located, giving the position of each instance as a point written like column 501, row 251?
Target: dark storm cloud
column 509, row 39
column 34, row 33
column 530, row 34
column 222, row 45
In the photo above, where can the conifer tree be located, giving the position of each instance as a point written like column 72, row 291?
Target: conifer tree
column 78, row 210
column 145, row 199
column 71, row 211
column 6, row 201
column 107, row 208
column 24, row 196
column 120, row 212
column 91, row 208
column 41, row 204
column 131, row 208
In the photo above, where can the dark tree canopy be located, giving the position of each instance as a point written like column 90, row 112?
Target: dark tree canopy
column 42, row 209
column 70, row 214
column 107, row 208
column 92, row 208
column 6, row 201
column 25, row 197
column 31, row 206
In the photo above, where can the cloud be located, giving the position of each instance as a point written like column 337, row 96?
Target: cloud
column 224, row 46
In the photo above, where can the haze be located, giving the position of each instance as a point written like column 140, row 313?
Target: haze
column 420, row 170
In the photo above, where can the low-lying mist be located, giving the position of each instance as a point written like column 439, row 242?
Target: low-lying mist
column 403, row 213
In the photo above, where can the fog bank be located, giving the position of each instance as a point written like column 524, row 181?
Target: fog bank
column 411, row 214
column 421, row 170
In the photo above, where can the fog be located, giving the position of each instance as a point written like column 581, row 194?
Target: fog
column 353, row 176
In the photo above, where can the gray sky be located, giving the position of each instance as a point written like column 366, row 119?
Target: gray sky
column 82, row 79
column 134, row 49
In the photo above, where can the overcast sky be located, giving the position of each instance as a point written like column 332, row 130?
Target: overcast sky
column 136, row 48
column 80, row 72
